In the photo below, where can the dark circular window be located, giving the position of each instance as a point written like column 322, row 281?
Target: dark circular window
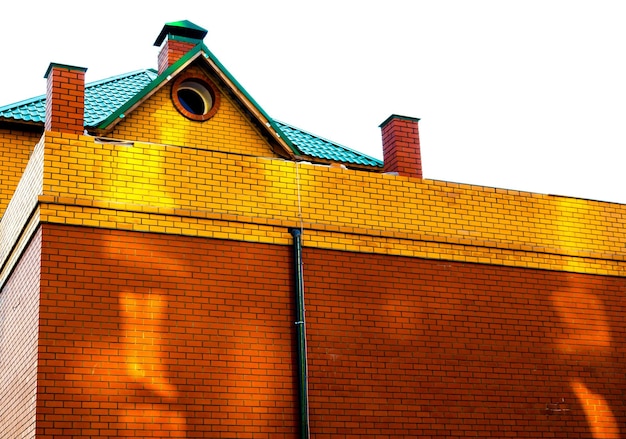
column 195, row 98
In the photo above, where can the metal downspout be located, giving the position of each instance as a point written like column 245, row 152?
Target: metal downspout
column 301, row 335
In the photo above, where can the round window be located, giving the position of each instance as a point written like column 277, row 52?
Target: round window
column 194, row 98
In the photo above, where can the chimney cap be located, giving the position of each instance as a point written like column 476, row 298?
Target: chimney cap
column 396, row 116
column 183, row 28
column 54, row 65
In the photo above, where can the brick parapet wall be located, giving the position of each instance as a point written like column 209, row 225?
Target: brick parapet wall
column 170, row 189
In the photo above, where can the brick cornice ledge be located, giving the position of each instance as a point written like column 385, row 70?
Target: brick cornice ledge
column 225, row 225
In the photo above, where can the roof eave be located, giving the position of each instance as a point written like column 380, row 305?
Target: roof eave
column 24, row 125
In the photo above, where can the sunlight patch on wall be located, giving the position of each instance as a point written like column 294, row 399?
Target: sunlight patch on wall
column 599, row 416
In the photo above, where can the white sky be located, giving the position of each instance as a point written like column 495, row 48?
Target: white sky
column 527, row 95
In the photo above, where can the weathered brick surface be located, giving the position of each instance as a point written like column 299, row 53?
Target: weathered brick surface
column 19, row 318
column 146, row 335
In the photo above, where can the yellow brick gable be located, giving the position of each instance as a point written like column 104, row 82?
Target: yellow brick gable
column 157, row 121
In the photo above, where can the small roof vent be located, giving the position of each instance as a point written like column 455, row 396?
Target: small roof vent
column 184, row 28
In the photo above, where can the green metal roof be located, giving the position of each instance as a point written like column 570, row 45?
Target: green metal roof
column 105, row 100
column 101, row 99
column 318, row 147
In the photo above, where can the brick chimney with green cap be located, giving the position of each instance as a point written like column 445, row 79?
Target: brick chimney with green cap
column 180, row 37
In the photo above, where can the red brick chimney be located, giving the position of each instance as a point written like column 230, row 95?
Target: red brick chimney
column 401, row 146
column 182, row 36
column 65, row 98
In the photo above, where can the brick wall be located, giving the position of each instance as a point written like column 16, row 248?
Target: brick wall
column 172, row 51
column 21, row 217
column 19, row 300
column 199, row 192
column 406, row 347
column 226, row 131
column 185, row 336
column 147, row 335
column 15, row 148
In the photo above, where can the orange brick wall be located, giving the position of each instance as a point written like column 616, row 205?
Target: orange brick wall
column 19, row 300
column 174, row 336
column 15, row 147
column 406, row 347
column 146, row 335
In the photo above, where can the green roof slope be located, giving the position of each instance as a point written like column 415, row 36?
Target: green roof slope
column 101, row 99
column 318, row 147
